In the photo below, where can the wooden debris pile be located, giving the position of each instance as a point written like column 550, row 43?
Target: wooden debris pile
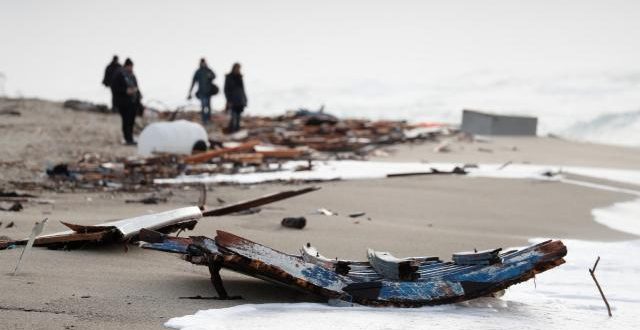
column 263, row 145
column 320, row 131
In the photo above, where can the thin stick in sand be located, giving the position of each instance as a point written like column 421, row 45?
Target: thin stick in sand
column 592, row 271
column 37, row 230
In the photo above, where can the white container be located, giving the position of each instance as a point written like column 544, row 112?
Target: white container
column 176, row 137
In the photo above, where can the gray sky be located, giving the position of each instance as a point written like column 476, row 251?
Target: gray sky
column 58, row 49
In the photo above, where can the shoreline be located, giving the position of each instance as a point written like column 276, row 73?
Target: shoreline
column 435, row 215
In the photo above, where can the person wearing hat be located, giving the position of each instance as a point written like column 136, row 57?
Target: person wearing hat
column 128, row 98
column 204, row 77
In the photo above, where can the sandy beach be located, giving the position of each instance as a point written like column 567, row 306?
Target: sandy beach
column 108, row 288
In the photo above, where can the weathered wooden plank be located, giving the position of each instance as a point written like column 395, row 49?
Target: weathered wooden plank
column 267, row 199
column 280, row 266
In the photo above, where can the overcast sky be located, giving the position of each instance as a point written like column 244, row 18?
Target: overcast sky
column 58, row 49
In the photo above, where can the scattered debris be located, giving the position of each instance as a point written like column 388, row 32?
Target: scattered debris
column 263, row 146
column 15, row 207
column 326, row 212
column 294, row 222
column 120, row 230
column 153, row 199
column 86, row 106
column 457, row 170
column 10, row 112
column 443, row 146
column 503, row 166
column 252, row 210
column 267, row 199
column 377, row 282
column 592, row 271
column 10, row 225
column 128, row 230
column 37, row 230
column 15, row 194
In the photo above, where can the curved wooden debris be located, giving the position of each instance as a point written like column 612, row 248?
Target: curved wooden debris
column 360, row 282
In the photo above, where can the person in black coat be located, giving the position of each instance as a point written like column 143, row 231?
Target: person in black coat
column 127, row 98
column 109, row 73
column 236, row 96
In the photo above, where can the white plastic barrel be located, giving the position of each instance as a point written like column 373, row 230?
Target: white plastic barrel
column 176, row 137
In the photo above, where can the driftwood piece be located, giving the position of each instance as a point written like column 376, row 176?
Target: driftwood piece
column 592, row 271
column 206, row 156
column 233, row 208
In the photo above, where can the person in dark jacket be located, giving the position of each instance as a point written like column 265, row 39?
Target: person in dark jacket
column 127, row 98
column 109, row 73
column 204, row 77
column 236, row 96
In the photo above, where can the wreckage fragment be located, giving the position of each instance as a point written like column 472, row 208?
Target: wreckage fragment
column 374, row 283
column 487, row 257
column 164, row 222
column 393, row 268
column 120, row 230
column 267, row 199
column 206, row 156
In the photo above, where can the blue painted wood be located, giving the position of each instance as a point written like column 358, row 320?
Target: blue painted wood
column 439, row 282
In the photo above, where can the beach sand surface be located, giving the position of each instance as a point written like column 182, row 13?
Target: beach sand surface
column 107, row 288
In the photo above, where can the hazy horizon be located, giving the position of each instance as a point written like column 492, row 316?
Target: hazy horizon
column 411, row 59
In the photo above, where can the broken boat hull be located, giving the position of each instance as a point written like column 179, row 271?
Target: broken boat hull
column 437, row 282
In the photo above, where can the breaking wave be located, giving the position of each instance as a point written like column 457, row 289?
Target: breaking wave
column 616, row 128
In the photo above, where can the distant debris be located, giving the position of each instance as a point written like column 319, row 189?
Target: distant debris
column 326, row 212
column 476, row 122
column 153, row 199
column 15, row 207
column 86, row 106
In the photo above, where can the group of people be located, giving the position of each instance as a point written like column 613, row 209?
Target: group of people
column 127, row 99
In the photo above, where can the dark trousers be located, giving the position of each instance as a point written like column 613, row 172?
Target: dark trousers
column 114, row 108
column 128, row 114
column 205, row 103
column 234, row 122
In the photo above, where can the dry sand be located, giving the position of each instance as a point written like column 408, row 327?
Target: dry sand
column 106, row 288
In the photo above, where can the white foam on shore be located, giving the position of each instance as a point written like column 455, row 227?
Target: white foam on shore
column 624, row 216
column 565, row 298
column 354, row 170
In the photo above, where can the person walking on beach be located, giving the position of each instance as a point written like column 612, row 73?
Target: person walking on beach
column 236, row 96
column 204, row 77
column 109, row 73
column 127, row 98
